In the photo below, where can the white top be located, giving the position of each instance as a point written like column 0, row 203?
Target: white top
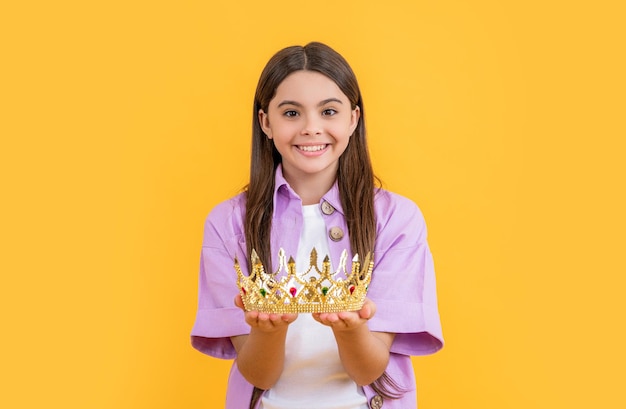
column 313, row 376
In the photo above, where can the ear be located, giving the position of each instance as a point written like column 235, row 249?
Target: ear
column 354, row 119
column 265, row 123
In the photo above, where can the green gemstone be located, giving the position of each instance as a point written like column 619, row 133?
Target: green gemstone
column 263, row 292
column 324, row 290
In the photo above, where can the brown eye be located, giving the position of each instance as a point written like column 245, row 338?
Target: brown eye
column 329, row 112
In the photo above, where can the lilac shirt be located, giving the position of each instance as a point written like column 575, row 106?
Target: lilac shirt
column 402, row 286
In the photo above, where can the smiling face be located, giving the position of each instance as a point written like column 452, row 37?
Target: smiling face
column 310, row 121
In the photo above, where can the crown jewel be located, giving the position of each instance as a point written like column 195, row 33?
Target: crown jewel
column 314, row 290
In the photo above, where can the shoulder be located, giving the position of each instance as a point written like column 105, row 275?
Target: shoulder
column 397, row 215
column 229, row 208
column 390, row 205
column 226, row 219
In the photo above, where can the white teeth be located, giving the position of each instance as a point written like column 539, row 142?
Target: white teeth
column 311, row 148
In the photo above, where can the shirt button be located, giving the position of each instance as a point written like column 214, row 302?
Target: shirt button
column 327, row 208
column 335, row 233
column 376, row 402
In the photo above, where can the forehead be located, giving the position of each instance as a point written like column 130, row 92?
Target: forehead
column 307, row 86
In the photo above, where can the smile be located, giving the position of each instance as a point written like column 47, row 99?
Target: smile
column 311, row 148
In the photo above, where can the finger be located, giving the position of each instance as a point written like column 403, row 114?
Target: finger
column 368, row 310
column 331, row 318
column 264, row 321
column 365, row 312
column 350, row 318
column 275, row 318
column 239, row 301
column 252, row 318
column 289, row 318
column 321, row 317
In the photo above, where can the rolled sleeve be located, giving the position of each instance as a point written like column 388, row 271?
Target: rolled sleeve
column 217, row 318
column 403, row 281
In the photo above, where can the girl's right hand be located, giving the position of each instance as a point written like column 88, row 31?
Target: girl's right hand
column 263, row 321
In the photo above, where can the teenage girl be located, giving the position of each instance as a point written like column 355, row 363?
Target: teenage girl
column 312, row 186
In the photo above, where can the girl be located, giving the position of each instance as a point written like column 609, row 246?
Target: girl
column 312, row 186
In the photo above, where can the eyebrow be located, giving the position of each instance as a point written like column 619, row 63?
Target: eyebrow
column 322, row 103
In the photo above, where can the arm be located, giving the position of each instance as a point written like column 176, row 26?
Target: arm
column 363, row 353
column 267, row 340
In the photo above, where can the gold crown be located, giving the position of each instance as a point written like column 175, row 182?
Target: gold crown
column 293, row 293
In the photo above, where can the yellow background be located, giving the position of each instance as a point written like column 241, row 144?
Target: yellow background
column 123, row 123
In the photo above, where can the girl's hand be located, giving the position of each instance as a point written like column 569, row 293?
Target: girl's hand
column 263, row 321
column 347, row 320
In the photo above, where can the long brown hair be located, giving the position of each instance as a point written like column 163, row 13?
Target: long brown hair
column 355, row 176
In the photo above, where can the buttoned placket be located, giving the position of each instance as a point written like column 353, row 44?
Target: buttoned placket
column 336, row 228
column 376, row 402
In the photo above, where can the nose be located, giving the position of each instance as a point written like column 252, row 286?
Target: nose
column 312, row 127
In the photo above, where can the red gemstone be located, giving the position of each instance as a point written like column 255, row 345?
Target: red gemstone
column 293, row 291
column 244, row 290
column 351, row 289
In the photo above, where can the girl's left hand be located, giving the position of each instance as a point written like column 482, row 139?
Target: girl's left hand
column 347, row 320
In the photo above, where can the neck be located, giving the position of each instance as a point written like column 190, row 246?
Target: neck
column 312, row 187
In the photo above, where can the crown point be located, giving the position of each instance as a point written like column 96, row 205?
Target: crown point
column 342, row 260
column 254, row 257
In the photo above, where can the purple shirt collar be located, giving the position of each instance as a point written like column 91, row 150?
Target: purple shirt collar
column 282, row 188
